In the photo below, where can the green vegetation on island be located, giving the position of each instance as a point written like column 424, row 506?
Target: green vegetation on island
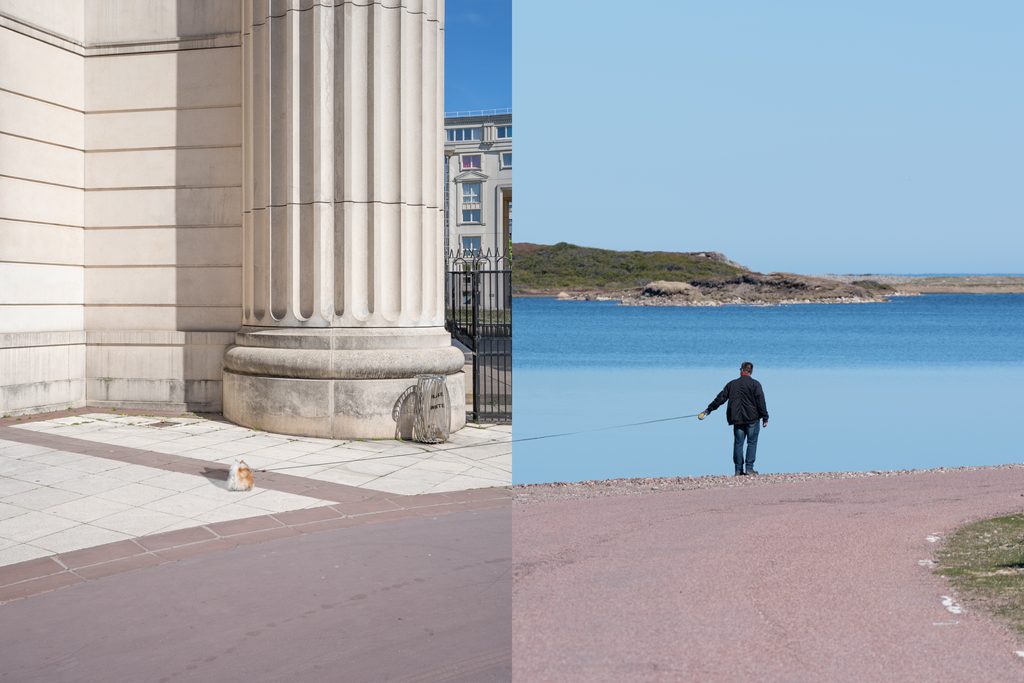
column 708, row 278
column 666, row 278
column 542, row 268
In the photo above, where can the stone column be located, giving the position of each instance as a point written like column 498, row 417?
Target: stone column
column 343, row 300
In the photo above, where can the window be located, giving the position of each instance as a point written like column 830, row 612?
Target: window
column 504, row 132
column 470, row 161
column 461, row 134
column 470, row 193
column 471, row 244
column 471, row 202
column 506, row 159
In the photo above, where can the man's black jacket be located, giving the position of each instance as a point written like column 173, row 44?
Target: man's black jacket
column 746, row 401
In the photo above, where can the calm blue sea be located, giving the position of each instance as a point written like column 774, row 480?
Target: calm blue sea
column 922, row 381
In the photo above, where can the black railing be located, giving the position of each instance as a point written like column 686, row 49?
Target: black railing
column 478, row 299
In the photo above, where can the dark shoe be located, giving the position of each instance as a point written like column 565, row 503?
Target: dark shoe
column 751, row 471
column 739, row 473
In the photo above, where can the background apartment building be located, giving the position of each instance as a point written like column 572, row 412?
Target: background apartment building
column 478, row 191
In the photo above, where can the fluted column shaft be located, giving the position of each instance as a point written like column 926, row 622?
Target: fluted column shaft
column 342, row 153
column 342, row 253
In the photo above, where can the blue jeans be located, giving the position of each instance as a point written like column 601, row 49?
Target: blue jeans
column 748, row 432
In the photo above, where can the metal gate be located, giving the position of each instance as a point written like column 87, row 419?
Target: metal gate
column 478, row 302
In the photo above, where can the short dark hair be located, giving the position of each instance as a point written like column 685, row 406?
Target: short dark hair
column 747, row 366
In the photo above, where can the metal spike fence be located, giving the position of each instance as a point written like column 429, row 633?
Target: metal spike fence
column 478, row 302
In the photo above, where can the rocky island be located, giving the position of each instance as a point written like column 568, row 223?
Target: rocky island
column 659, row 278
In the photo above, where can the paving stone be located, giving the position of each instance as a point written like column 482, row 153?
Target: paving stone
column 138, row 521
column 33, row 525
column 129, row 478
column 277, row 501
column 316, row 514
column 119, row 566
column 133, row 473
column 102, row 553
column 86, row 509
column 21, row 552
column 37, row 586
column 264, row 535
column 31, row 569
column 78, row 537
column 176, row 538
column 363, row 507
column 136, row 495
column 176, row 481
column 10, row 487
column 183, row 505
column 194, row 549
column 229, row 513
column 41, row 498
column 89, row 484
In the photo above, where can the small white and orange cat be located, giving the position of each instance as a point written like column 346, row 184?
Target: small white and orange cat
column 240, row 476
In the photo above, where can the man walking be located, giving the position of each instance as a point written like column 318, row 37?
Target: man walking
column 746, row 407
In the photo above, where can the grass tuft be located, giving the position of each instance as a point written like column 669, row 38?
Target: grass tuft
column 985, row 563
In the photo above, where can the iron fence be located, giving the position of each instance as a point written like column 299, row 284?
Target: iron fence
column 478, row 302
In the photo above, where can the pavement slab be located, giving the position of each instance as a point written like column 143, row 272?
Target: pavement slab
column 828, row 579
column 76, row 500
column 384, row 465
column 92, row 477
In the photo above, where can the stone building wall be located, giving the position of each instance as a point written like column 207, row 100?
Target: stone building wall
column 42, row 207
column 163, row 200
column 120, row 201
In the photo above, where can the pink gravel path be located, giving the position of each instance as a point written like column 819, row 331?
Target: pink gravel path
column 792, row 581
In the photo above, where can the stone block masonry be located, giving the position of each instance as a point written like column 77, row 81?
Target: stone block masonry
column 172, row 172
column 120, row 202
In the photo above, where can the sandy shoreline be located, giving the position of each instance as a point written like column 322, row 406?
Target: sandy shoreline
column 528, row 494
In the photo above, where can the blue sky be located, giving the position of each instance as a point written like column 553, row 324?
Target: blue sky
column 478, row 54
column 814, row 137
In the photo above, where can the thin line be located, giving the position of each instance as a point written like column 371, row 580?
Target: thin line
column 136, row 188
column 44, row 303
column 128, row 305
column 167, row 344
column 145, row 109
column 343, row 201
column 133, row 188
column 491, row 442
column 168, row 41
column 164, row 265
column 26, row 220
column 86, row 50
column 42, row 263
column 41, row 182
column 110, row 49
column 22, row 28
column 602, row 429
column 156, row 149
column 153, row 227
column 40, row 99
column 73, row 303
column 42, row 142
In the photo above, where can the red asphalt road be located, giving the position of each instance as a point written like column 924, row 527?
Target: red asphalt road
column 419, row 599
column 807, row 581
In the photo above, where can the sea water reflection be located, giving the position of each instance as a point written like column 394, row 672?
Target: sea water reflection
column 919, row 382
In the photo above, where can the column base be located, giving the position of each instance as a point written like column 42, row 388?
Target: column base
column 342, row 383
